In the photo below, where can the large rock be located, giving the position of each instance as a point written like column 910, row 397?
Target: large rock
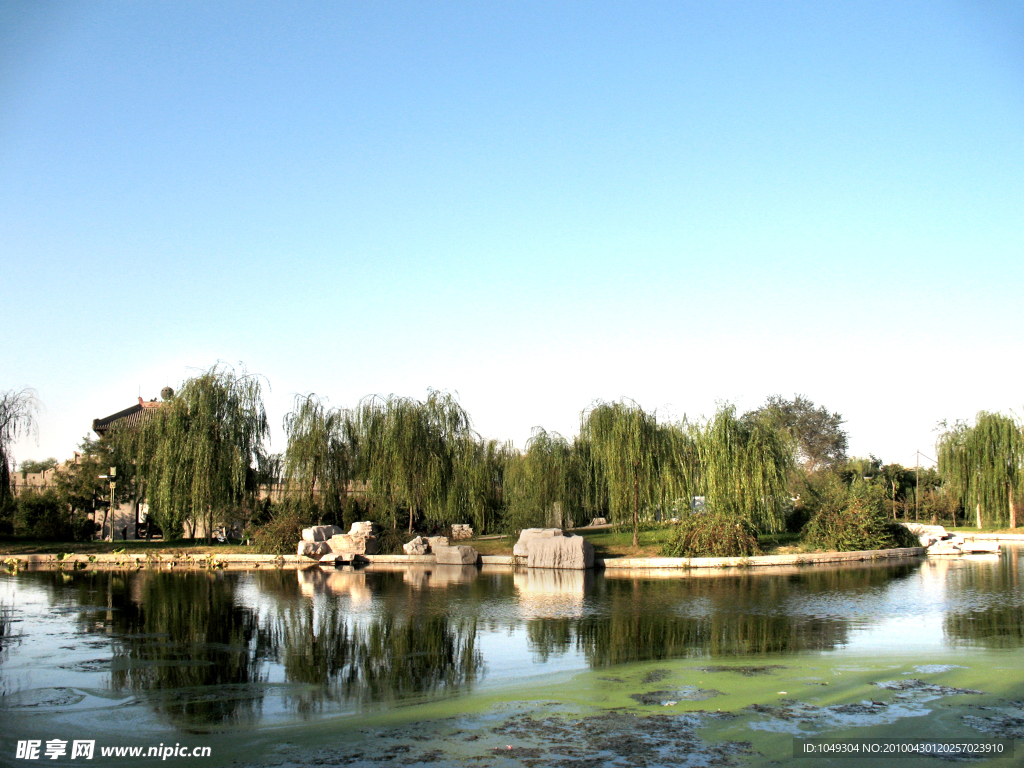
column 346, row 543
column 418, row 546
column 462, row 531
column 360, row 540
column 460, row 554
column 521, row 548
column 314, row 549
column 320, row 532
column 571, row 552
column 437, row 541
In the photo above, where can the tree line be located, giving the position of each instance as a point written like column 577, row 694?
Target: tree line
column 201, row 459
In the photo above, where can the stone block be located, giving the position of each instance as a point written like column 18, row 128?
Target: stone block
column 522, row 550
column 460, row 554
column 980, row 547
column 418, row 546
column 571, row 552
column 462, row 531
column 437, row 541
column 320, row 532
column 313, row 549
column 354, row 544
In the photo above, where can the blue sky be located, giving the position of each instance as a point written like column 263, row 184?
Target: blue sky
column 533, row 204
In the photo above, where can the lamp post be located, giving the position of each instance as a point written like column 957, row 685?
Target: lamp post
column 113, row 485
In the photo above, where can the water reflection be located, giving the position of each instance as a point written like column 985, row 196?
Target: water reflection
column 990, row 606
column 184, row 641
column 206, row 650
column 644, row 619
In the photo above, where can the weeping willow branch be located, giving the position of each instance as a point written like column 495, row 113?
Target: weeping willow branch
column 408, row 452
column 981, row 465
column 18, row 410
column 742, row 469
column 319, row 458
column 195, row 453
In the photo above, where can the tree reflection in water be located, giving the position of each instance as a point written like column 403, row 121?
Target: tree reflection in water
column 382, row 659
column 183, row 639
column 650, row 619
column 202, row 658
column 991, row 604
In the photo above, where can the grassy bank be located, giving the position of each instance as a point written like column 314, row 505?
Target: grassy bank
column 608, row 542
column 13, row 545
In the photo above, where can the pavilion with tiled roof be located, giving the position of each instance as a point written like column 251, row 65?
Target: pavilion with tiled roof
column 129, row 417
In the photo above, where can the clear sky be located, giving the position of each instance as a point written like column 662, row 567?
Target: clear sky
column 533, row 204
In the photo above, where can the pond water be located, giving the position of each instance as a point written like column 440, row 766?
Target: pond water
column 486, row 666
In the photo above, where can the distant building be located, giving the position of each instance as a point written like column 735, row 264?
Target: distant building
column 129, row 417
column 127, row 519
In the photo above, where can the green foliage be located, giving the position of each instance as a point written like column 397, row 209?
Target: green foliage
column 281, row 533
column 744, row 465
column 539, row 482
column 981, row 466
column 817, row 436
column 195, row 454
column 319, row 459
column 475, row 491
column 45, row 516
column 852, row 518
column 713, row 534
column 628, row 449
column 407, row 453
column 33, row 465
column 390, row 541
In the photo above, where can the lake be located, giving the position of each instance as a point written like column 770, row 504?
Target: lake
column 448, row 665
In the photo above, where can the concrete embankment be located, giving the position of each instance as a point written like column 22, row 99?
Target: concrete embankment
column 991, row 536
column 247, row 561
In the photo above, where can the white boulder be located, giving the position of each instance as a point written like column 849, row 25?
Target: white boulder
column 418, row 546
column 320, row 532
column 521, row 548
column 570, row 552
column 460, row 554
column 313, row 549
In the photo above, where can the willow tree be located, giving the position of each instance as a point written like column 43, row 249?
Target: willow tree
column 981, row 465
column 319, row 459
column 539, row 481
column 196, row 452
column 627, row 448
column 18, row 410
column 407, row 452
column 743, row 468
column 476, row 487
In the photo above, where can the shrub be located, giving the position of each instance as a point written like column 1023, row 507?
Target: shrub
column 42, row 516
column 854, row 518
column 713, row 534
column 280, row 535
column 391, row 541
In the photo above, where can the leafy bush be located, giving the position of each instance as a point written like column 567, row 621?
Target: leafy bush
column 713, row 534
column 82, row 528
column 45, row 516
column 391, row 541
column 280, row 535
column 854, row 518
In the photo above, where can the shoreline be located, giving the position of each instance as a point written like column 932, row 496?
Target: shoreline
column 256, row 561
